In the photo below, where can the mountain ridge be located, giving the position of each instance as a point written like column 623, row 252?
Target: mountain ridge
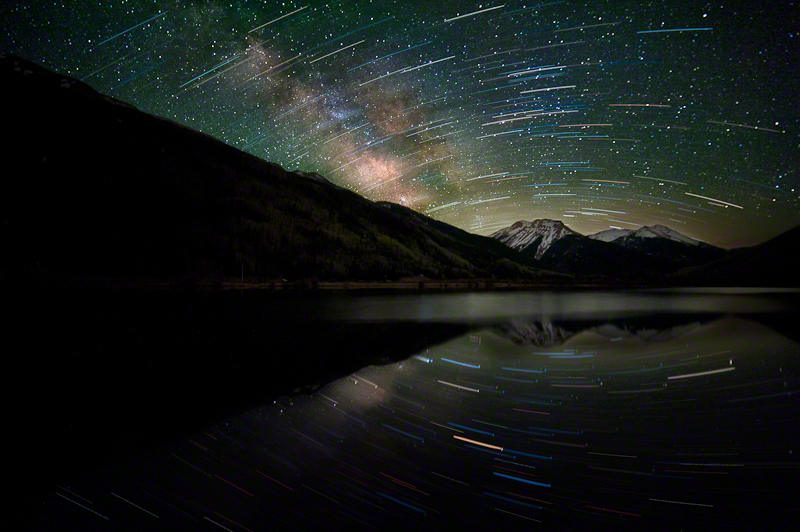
column 609, row 235
column 646, row 231
column 662, row 231
column 110, row 191
column 646, row 255
column 771, row 263
column 538, row 235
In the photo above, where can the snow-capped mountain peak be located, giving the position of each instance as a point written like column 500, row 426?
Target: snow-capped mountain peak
column 655, row 231
column 662, row 231
column 610, row 235
column 523, row 234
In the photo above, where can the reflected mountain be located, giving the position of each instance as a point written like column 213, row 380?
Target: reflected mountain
column 546, row 332
column 540, row 332
column 615, row 332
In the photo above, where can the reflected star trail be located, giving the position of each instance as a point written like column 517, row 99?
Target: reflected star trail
column 653, row 423
column 416, row 102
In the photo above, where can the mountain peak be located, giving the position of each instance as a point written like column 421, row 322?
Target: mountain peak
column 540, row 233
column 609, row 235
column 652, row 231
column 662, row 231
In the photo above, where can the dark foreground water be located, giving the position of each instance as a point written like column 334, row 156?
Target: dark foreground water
column 543, row 411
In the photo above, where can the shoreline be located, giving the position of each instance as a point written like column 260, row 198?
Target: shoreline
column 25, row 284
column 306, row 285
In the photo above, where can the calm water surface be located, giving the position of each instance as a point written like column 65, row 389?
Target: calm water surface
column 669, row 411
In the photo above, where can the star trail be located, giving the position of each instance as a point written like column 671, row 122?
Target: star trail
column 683, row 115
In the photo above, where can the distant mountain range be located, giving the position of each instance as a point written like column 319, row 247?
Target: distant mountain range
column 536, row 237
column 103, row 190
column 656, row 231
column 608, row 255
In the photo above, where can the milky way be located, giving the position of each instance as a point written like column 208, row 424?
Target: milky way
column 600, row 114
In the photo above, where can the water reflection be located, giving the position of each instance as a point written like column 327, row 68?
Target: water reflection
column 665, row 422
column 491, row 307
column 547, row 332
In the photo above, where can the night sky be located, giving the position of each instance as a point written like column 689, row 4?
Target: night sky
column 600, row 114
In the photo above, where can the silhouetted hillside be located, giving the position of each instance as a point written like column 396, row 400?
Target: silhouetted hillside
column 594, row 259
column 672, row 253
column 104, row 190
column 773, row 263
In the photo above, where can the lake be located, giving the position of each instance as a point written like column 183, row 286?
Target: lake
column 672, row 409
